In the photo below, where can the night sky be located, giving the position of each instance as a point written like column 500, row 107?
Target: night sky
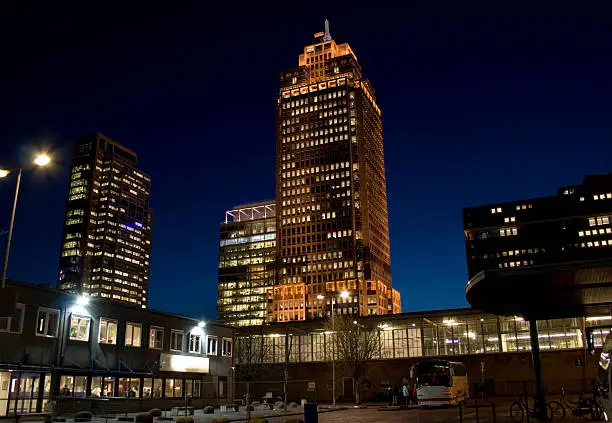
column 479, row 105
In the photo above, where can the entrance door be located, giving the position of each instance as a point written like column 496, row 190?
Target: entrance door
column 347, row 388
column 23, row 395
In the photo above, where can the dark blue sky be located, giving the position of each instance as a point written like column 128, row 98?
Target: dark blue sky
column 479, row 105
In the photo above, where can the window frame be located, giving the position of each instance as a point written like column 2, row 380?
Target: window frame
column 133, row 325
column 224, row 342
column 9, row 320
column 208, row 339
column 177, row 332
column 192, row 336
column 47, row 312
column 80, row 317
column 108, row 320
column 156, row 328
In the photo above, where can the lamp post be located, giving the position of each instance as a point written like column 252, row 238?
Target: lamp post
column 40, row 160
column 343, row 294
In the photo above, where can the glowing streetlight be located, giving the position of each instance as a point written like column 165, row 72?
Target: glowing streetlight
column 344, row 294
column 320, row 297
column 201, row 324
column 40, row 160
column 82, row 301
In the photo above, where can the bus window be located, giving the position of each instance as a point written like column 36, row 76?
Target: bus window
column 433, row 374
column 459, row 369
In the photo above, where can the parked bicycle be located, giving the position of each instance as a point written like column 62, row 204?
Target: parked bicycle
column 587, row 408
column 520, row 410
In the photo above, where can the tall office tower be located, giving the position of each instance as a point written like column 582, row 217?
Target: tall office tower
column 247, row 252
column 106, row 241
column 332, row 222
column 571, row 227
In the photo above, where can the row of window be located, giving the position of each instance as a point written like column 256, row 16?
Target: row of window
column 48, row 320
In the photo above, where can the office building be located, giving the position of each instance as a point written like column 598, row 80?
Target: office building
column 106, row 242
column 331, row 199
column 247, row 253
column 572, row 226
column 106, row 356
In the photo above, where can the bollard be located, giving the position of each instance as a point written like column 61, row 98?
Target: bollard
column 460, row 413
column 494, row 412
column 477, row 417
column 310, row 413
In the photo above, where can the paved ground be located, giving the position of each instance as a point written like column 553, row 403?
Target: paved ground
column 362, row 415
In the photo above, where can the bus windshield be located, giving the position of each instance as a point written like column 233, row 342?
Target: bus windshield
column 432, row 373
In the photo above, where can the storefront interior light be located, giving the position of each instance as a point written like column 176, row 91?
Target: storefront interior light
column 598, row 318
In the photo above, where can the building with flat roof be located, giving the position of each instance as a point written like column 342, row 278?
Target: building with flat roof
column 495, row 349
column 331, row 194
column 106, row 241
column 105, row 356
column 247, row 254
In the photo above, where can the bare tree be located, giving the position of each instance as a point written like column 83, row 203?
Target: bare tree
column 251, row 353
column 355, row 344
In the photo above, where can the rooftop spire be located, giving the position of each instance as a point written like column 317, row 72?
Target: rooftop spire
column 327, row 37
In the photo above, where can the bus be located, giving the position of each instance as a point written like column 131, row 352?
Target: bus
column 441, row 382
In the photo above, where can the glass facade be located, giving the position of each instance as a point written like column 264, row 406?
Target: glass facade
column 460, row 332
column 247, row 249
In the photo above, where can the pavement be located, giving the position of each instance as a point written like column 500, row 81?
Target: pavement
column 365, row 414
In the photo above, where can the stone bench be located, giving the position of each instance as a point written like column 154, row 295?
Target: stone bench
column 229, row 408
column 182, row 411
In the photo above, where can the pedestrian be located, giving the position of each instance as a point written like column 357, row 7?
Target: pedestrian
column 405, row 392
column 395, row 395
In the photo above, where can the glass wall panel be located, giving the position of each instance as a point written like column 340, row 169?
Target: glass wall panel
column 400, row 343
column 386, row 343
column 318, row 347
column 305, row 348
column 415, row 342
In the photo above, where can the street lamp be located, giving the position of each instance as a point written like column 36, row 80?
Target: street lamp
column 344, row 295
column 40, row 160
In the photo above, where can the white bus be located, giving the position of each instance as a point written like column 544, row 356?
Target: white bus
column 441, row 382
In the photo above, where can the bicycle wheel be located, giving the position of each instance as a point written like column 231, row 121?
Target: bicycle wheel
column 555, row 411
column 517, row 412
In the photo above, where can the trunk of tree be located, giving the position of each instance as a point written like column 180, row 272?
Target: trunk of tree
column 247, row 400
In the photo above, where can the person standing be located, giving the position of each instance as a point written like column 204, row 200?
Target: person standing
column 406, row 393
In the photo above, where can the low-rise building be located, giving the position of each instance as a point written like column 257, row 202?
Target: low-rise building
column 87, row 353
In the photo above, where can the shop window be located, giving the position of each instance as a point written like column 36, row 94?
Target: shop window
column 102, row 386
column 226, row 347
column 73, row 386
column 14, row 323
column 211, row 345
column 195, row 343
column 174, row 388
column 129, row 387
column 108, row 331
column 133, row 334
column 156, row 338
column 176, row 340
column 79, row 328
column 48, row 322
column 157, row 388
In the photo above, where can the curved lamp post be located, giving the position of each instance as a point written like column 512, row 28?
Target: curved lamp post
column 40, row 160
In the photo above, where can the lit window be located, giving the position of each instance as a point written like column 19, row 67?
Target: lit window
column 133, row 334
column 108, row 331
column 581, row 198
column 79, row 328
column 156, row 338
column 506, row 219
column 176, row 340
column 211, row 345
column 499, row 210
column 195, row 343
column 48, row 322
column 580, row 233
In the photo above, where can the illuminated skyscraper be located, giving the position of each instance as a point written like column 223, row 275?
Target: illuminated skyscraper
column 106, row 242
column 331, row 197
column 247, row 254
